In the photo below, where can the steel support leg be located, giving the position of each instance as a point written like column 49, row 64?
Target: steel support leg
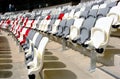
column 93, row 61
column 63, row 44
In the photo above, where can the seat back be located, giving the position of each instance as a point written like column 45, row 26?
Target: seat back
column 37, row 41
column 55, row 25
column 101, row 32
column 67, row 27
column 75, row 28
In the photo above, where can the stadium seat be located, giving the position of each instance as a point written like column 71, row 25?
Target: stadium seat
column 66, row 29
column 85, row 30
column 61, row 27
column 37, row 63
column 115, row 14
column 75, row 29
column 100, row 34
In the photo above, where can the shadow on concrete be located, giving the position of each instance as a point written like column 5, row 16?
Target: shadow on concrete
column 59, row 74
column 5, row 52
column 47, row 53
column 5, row 61
column 116, row 33
column 5, row 56
column 54, row 64
column 50, row 58
column 6, row 66
column 4, row 45
column 108, row 58
column 5, row 74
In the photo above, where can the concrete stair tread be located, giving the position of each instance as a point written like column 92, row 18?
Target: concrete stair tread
column 50, row 58
column 59, row 74
column 112, row 70
column 55, row 64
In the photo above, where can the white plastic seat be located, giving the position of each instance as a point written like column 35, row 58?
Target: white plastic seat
column 71, row 14
column 54, row 27
column 29, row 23
column 75, row 29
column 41, row 25
column 95, row 7
column 28, row 52
column 46, row 25
column 100, row 33
column 22, row 34
column 103, row 6
column 77, row 14
column 115, row 14
column 37, row 63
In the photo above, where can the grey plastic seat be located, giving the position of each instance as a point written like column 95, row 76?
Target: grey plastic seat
column 93, row 13
column 103, row 12
column 74, row 29
column 84, row 14
column 85, row 8
column 111, row 4
column 77, row 9
column 29, row 37
column 67, row 28
column 36, row 65
column 100, row 34
column 50, row 26
column 85, row 30
column 30, row 57
column 54, row 26
column 61, row 27
column 37, row 24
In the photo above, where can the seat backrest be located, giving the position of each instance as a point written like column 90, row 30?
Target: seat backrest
column 50, row 25
column 115, row 13
column 34, row 37
column 71, row 14
column 77, row 14
column 24, row 31
column 37, row 41
column 103, row 11
column 89, row 23
column 69, row 22
column 111, row 4
column 60, row 16
column 104, row 23
column 95, row 7
column 40, row 25
column 46, row 26
column 84, row 14
column 118, row 4
column 42, row 46
column 74, row 30
column 67, row 27
column 31, row 34
column 29, row 23
column 103, row 5
column 55, row 25
column 93, row 13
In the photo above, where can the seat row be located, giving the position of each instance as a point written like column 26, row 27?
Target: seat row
column 88, row 26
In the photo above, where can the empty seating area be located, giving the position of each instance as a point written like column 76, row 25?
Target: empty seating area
column 86, row 26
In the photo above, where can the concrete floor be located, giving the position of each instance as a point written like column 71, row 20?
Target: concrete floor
column 59, row 64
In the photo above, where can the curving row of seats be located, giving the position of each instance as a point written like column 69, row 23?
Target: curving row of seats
column 87, row 24
column 32, row 42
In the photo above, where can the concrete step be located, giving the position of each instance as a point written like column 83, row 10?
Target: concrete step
column 53, row 64
column 117, row 60
column 50, row 58
column 59, row 74
column 112, row 70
